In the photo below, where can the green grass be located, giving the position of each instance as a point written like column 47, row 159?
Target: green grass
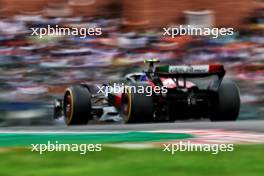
column 243, row 161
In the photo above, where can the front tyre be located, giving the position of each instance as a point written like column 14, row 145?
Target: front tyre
column 228, row 102
column 77, row 105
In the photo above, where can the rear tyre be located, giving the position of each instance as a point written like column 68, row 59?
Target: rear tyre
column 228, row 102
column 137, row 107
column 77, row 105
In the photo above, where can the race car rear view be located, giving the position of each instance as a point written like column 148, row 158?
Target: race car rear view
column 161, row 93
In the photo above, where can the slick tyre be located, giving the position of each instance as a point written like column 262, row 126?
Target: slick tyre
column 137, row 107
column 77, row 105
column 228, row 102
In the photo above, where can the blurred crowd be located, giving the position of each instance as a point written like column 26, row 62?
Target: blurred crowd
column 39, row 69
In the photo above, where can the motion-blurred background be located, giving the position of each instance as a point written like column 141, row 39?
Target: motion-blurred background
column 34, row 71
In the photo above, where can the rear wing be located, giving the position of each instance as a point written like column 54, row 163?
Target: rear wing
column 190, row 70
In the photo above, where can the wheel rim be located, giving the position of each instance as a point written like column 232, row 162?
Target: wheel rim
column 68, row 106
column 126, row 107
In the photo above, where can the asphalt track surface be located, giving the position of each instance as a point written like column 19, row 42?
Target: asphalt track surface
column 245, row 125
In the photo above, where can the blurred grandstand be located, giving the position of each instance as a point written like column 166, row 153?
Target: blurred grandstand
column 34, row 71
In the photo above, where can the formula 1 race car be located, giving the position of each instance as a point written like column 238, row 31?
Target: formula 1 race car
column 161, row 93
